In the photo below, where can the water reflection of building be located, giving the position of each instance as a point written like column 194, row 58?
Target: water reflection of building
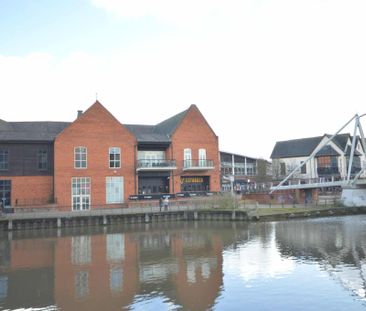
column 108, row 271
column 338, row 246
column 190, row 274
column 26, row 273
column 113, row 270
column 95, row 272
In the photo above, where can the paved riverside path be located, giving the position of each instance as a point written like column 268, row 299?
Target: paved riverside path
column 100, row 212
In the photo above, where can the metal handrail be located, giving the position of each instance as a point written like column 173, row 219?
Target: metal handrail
column 155, row 163
column 198, row 163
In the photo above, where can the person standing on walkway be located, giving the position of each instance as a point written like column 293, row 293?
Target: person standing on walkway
column 166, row 203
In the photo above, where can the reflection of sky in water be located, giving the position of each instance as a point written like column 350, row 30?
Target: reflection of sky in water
column 3, row 287
column 350, row 277
column 255, row 260
column 264, row 279
column 153, row 303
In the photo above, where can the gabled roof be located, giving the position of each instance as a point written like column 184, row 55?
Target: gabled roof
column 47, row 131
column 341, row 140
column 327, row 150
column 30, row 131
column 295, row 148
column 168, row 126
column 160, row 132
column 348, row 151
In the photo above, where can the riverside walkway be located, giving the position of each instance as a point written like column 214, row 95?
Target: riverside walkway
column 102, row 216
column 181, row 212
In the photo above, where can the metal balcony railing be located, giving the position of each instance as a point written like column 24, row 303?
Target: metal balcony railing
column 200, row 164
column 334, row 170
column 328, row 170
column 159, row 164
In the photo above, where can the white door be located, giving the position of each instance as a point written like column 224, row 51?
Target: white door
column 80, row 190
column 114, row 190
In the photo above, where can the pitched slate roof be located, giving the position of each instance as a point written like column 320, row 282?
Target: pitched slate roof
column 341, row 140
column 305, row 146
column 159, row 133
column 145, row 133
column 295, row 148
column 30, row 131
column 348, row 151
column 168, row 126
column 327, row 150
column 47, row 131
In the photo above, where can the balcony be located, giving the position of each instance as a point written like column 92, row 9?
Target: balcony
column 198, row 165
column 328, row 171
column 156, row 165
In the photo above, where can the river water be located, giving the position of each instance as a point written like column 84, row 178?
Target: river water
column 312, row 264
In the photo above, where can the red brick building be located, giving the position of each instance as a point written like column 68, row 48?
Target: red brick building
column 96, row 161
column 177, row 156
column 26, row 162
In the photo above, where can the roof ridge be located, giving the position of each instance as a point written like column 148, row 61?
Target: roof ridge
column 169, row 125
column 129, row 124
column 298, row 139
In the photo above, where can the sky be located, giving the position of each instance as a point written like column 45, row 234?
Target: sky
column 260, row 71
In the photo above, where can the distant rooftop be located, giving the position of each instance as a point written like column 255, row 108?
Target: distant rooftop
column 303, row 147
column 31, row 131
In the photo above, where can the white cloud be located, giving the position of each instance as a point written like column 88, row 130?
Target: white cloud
column 260, row 71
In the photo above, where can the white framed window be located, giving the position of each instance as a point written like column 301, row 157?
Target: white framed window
column 303, row 168
column 115, row 247
column 116, row 279
column 81, row 250
column 3, row 287
column 80, row 157
column 114, row 190
column 202, row 157
column 187, row 157
column 81, row 283
column 80, row 193
column 114, row 157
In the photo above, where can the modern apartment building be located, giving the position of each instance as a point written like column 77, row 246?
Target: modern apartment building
column 238, row 172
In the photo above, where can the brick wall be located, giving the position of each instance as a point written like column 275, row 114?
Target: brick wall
column 32, row 253
column 194, row 132
column 97, row 293
column 28, row 191
column 97, row 130
column 281, row 197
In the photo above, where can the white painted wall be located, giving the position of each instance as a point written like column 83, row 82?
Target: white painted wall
column 353, row 197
